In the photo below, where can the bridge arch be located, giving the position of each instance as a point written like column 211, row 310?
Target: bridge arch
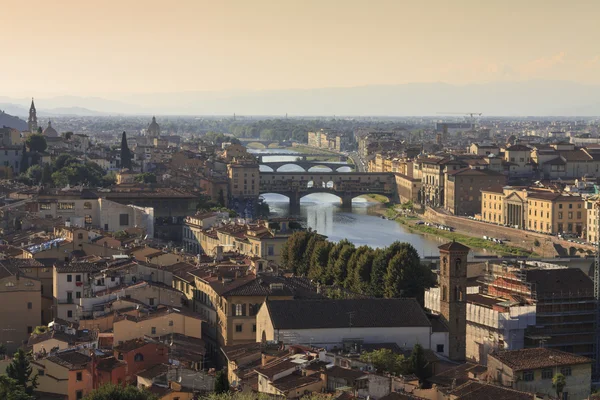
column 256, row 145
column 292, row 163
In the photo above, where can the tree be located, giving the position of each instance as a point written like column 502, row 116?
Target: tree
column 146, row 177
column 64, row 160
column 340, row 267
column 126, row 155
column 385, row 360
column 378, row 270
column 118, row 392
column 68, row 135
column 304, row 267
column 46, row 174
column 24, row 164
column 318, row 261
column 34, row 174
column 559, row 382
column 11, row 390
column 20, row 370
column 417, row 364
column 221, row 382
column 362, row 272
column 221, row 199
column 36, row 142
column 293, row 251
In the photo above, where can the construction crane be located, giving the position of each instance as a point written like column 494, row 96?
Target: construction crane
column 471, row 114
column 597, row 282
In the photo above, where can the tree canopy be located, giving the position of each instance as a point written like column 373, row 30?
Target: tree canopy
column 394, row 271
column 126, row 155
column 20, row 371
column 117, row 392
column 146, row 177
column 36, row 142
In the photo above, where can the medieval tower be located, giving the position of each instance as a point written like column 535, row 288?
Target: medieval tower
column 32, row 123
column 453, row 305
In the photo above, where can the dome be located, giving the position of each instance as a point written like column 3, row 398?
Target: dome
column 50, row 131
column 154, row 128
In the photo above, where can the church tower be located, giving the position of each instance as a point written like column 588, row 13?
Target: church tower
column 32, row 121
column 453, row 289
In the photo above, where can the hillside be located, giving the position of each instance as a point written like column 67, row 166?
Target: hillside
column 12, row 122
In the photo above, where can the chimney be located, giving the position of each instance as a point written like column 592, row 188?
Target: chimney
column 263, row 359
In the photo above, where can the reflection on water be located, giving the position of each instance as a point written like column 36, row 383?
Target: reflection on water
column 323, row 213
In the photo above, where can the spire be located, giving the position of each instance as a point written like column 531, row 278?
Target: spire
column 32, row 121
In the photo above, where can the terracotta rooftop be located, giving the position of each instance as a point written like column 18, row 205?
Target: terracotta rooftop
column 474, row 390
column 536, row 358
column 454, row 246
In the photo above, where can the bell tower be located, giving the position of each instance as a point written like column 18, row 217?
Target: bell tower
column 32, row 123
column 453, row 289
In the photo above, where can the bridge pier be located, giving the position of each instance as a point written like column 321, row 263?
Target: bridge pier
column 347, row 201
column 294, row 202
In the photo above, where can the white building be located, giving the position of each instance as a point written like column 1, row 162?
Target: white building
column 338, row 323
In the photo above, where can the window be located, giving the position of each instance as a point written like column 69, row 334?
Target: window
column 151, row 301
column 237, row 310
column 69, row 314
column 69, row 278
column 79, row 393
column 30, row 329
column 29, row 306
column 571, row 205
column 80, row 236
column 560, row 206
column 77, row 278
column 66, row 206
column 120, row 356
column 253, row 327
column 570, row 214
column 560, row 215
column 123, row 219
column 41, row 372
column 88, row 219
column 270, row 250
column 45, row 206
column 79, row 377
column 87, row 205
column 153, row 330
column 546, row 374
column 77, row 295
column 171, row 322
column 440, row 348
column 69, row 297
column 566, row 371
column 238, row 328
column 528, row 376
column 139, row 357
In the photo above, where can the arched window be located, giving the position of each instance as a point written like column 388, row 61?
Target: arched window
column 444, row 293
column 457, row 265
column 138, row 357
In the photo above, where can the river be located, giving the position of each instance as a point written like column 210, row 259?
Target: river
column 360, row 225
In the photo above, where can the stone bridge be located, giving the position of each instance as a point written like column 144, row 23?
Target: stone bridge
column 264, row 142
column 301, row 156
column 346, row 185
column 306, row 165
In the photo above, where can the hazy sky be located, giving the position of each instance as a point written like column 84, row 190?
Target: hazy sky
column 89, row 47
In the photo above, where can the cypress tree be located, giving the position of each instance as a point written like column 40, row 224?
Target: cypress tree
column 125, row 153
column 24, row 164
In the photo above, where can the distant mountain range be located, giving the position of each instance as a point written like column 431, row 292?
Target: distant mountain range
column 530, row 98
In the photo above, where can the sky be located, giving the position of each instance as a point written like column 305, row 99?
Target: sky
column 84, row 47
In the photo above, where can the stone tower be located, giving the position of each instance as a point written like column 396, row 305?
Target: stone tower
column 32, row 121
column 453, row 289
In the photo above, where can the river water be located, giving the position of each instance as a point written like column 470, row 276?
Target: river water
column 360, row 225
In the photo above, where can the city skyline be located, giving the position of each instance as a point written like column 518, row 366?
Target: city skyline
column 123, row 48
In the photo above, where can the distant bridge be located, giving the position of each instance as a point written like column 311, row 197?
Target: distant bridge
column 301, row 156
column 306, row 165
column 346, row 185
column 264, row 142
